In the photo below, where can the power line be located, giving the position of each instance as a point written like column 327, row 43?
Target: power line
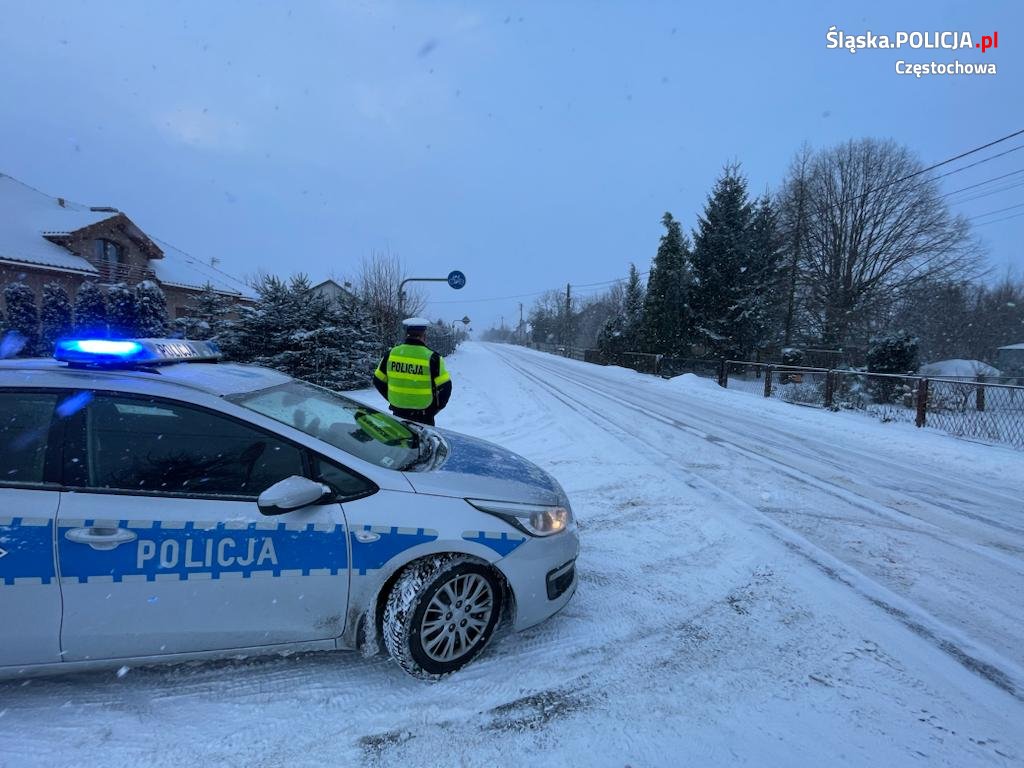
column 982, row 195
column 609, row 282
column 900, row 180
column 978, row 162
column 1005, row 218
column 493, row 298
column 983, row 183
column 939, row 165
column 533, row 293
column 1000, row 210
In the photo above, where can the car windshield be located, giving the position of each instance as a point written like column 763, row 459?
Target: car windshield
column 346, row 424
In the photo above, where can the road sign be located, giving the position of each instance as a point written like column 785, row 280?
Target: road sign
column 466, row 320
column 456, row 279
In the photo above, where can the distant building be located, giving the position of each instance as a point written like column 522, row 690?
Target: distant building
column 1010, row 360
column 44, row 239
column 332, row 290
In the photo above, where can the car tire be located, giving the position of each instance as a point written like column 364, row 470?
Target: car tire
column 440, row 614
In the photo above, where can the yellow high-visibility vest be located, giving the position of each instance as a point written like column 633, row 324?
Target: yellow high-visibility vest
column 406, row 370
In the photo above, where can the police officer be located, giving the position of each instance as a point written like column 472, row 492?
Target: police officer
column 412, row 376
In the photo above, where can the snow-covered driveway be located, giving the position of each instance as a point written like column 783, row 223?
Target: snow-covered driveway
column 760, row 584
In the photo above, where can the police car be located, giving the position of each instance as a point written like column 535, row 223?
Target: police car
column 158, row 505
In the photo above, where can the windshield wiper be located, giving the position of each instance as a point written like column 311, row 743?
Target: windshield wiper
column 430, row 449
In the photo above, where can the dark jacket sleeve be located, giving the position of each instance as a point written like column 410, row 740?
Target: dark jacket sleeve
column 442, row 391
column 380, row 376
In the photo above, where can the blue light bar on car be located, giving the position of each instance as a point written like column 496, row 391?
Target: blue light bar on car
column 127, row 352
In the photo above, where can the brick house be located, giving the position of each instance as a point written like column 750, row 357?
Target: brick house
column 49, row 239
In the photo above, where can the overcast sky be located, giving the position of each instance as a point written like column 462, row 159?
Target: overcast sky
column 529, row 145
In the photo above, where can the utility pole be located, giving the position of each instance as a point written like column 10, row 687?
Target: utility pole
column 568, row 315
column 519, row 328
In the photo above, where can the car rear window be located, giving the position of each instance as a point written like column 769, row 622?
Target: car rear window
column 24, row 425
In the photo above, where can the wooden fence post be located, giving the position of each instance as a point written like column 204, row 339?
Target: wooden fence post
column 768, row 380
column 922, row 402
column 723, row 373
column 830, row 388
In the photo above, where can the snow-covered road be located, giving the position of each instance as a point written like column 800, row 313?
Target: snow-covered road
column 760, row 583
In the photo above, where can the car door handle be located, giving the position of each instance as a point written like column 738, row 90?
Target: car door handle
column 101, row 538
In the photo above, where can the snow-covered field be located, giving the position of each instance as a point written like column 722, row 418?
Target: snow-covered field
column 761, row 584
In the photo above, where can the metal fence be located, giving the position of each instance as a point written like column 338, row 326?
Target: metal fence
column 978, row 408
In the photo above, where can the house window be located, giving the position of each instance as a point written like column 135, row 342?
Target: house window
column 109, row 252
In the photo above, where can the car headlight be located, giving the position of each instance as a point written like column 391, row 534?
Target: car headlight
column 534, row 519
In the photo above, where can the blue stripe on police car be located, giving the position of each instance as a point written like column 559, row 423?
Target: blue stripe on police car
column 27, row 544
column 502, row 543
column 213, row 549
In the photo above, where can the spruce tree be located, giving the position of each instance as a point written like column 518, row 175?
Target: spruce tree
column 894, row 352
column 303, row 334
column 765, row 278
column 150, row 310
column 633, row 307
column 721, row 259
column 206, row 315
column 54, row 316
column 358, row 342
column 22, row 318
column 122, row 312
column 613, row 337
column 90, row 311
column 257, row 333
column 666, row 315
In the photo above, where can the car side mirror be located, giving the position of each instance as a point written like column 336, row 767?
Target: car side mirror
column 290, row 494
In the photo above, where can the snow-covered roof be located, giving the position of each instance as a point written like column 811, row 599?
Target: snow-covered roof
column 179, row 269
column 1013, row 346
column 959, row 368
column 28, row 215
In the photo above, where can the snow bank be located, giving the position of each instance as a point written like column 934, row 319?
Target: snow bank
column 692, row 380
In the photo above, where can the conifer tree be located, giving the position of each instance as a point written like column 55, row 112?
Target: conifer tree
column 22, row 318
column 206, row 315
column 765, row 288
column 721, row 259
column 90, row 311
column 301, row 333
column 613, row 337
column 150, row 310
column 633, row 309
column 122, row 311
column 54, row 316
column 666, row 316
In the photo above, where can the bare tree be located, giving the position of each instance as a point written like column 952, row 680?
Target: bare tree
column 872, row 232
column 594, row 311
column 547, row 317
column 377, row 283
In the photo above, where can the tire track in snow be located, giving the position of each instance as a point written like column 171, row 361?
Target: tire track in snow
column 984, row 662
column 998, row 552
